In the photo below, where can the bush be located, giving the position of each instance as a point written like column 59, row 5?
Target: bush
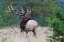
column 6, row 19
column 57, row 23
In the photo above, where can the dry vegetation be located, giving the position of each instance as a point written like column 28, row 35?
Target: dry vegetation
column 14, row 35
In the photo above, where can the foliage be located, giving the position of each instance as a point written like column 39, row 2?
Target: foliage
column 57, row 23
column 41, row 8
column 6, row 19
column 38, row 8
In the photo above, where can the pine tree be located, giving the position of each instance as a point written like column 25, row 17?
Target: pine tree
column 57, row 23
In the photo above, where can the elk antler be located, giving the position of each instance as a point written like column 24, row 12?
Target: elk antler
column 22, row 10
column 11, row 10
column 11, row 7
column 8, row 10
column 28, row 12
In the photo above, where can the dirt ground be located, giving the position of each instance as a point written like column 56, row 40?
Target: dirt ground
column 14, row 35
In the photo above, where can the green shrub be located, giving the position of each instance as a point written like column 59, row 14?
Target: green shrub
column 57, row 23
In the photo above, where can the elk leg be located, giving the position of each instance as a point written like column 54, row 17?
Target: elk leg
column 21, row 30
column 34, row 32
column 26, row 33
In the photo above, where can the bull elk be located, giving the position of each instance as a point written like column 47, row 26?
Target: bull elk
column 26, row 24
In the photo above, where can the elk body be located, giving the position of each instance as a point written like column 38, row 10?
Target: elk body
column 26, row 24
column 31, row 25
